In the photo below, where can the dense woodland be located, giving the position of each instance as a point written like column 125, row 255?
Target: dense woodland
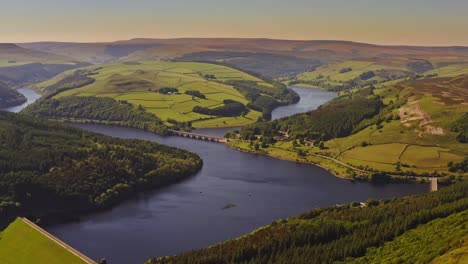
column 97, row 109
column 196, row 93
column 347, row 232
column 229, row 108
column 337, row 118
column 265, row 99
column 10, row 97
column 461, row 128
column 47, row 167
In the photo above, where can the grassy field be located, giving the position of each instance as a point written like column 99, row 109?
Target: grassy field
column 337, row 73
column 457, row 255
column 388, row 71
column 421, row 138
column 21, row 244
column 138, row 83
column 415, row 136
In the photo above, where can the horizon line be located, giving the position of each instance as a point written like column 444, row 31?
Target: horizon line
column 242, row 38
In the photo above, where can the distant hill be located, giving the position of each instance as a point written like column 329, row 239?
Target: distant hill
column 89, row 52
column 9, row 97
column 20, row 66
column 269, row 57
column 168, row 48
column 10, row 54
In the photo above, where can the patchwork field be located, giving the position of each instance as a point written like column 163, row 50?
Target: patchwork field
column 338, row 73
column 421, row 139
column 380, row 72
column 139, row 82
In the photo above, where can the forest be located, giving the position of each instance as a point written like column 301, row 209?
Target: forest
column 350, row 232
column 230, row 108
column 10, row 97
column 98, row 110
column 49, row 167
column 460, row 126
column 196, row 93
column 265, row 99
column 337, row 118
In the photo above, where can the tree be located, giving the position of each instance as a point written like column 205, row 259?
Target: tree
column 257, row 146
column 321, row 145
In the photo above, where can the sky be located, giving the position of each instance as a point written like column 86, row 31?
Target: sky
column 392, row 22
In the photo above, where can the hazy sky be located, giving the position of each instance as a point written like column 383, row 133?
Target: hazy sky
column 418, row 22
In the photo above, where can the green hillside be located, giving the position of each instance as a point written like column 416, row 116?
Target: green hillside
column 379, row 72
column 22, row 244
column 414, row 229
column 47, row 167
column 415, row 127
column 179, row 93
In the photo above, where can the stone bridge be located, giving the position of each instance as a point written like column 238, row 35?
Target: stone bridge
column 199, row 136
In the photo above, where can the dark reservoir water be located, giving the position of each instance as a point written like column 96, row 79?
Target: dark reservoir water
column 31, row 97
column 190, row 214
column 310, row 100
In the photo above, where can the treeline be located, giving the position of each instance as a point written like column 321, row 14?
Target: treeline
column 168, row 90
column 97, row 109
column 459, row 167
column 78, row 79
column 363, row 80
column 338, row 118
column 229, row 109
column 330, row 235
column 10, row 97
column 264, row 99
column 47, row 167
column 196, row 94
column 461, row 128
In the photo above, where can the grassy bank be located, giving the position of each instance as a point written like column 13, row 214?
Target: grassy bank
column 22, row 244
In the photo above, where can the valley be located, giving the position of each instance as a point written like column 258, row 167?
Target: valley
column 415, row 132
column 110, row 180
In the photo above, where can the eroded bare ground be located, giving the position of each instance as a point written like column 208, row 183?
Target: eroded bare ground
column 450, row 93
column 412, row 112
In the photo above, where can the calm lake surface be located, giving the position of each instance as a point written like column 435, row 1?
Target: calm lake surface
column 190, row 214
column 31, row 97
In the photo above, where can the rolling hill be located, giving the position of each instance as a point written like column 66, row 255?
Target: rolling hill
column 293, row 56
column 355, row 73
column 179, row 93
column 412, row 127
column 20, row 66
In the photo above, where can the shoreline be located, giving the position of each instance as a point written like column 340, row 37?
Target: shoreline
column 291, row 160
column 392, row 179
